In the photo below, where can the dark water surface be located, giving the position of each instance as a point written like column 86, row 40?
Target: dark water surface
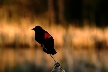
column 37, row 58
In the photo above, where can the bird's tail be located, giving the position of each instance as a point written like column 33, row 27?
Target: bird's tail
column 49, row 51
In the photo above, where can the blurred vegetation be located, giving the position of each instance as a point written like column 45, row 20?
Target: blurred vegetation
column 60, row 11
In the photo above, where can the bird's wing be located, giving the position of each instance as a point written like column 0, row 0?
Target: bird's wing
column 46, row 35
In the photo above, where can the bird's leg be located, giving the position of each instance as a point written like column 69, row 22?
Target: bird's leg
column 52, row 57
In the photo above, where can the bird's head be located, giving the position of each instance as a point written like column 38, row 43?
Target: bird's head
column 37, row 28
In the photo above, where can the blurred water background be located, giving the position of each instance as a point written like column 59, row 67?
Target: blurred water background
column 79, row 29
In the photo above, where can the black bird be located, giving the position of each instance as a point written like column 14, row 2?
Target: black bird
column 45, row 40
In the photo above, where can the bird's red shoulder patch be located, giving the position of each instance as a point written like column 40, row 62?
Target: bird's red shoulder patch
column 46, row 35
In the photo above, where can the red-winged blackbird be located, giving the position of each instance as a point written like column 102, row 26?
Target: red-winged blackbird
column 45, row 39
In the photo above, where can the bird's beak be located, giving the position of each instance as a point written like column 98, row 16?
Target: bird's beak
column 33, row 29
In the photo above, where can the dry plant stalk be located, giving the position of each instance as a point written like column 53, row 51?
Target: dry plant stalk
column 57, row 67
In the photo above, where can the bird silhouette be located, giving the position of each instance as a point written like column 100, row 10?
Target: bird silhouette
column 45, row 40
